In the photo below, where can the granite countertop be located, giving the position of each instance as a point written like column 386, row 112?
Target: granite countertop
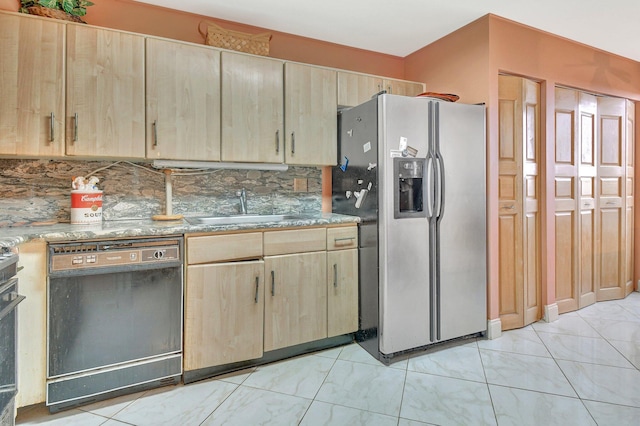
column 14, row 236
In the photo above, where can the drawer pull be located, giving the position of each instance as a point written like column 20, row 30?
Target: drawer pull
column 335, row 275
column 337, row 240
column 257, row 287
column 273, row 283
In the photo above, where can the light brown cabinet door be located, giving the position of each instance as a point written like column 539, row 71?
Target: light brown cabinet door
column 31, row 86
column 629, row 195
column 354, row 89
column 183, row 101
column 587, row 153
column 224, row 309
column 519, row 188
column 342, row 288
column 295, row 299
column 105, row 93
column 610, row 218
column 252, row 109
column 311, row 124
column 403, row 88
column 566, row 199
column 575, row 183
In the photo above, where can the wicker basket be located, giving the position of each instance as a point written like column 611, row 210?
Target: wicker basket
column 53, row 13
column 257, row 44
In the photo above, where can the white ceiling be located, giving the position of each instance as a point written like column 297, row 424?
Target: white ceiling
column 400, row 27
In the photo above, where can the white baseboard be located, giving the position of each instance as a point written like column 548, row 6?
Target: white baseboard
column 494, row 328
column 551, row 313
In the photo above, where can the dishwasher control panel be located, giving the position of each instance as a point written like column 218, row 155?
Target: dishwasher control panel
column 72, row 256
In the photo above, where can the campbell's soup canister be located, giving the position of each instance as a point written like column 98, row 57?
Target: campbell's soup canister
column 86, row 207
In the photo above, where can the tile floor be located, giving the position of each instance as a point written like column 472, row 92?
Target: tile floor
column 583, row 369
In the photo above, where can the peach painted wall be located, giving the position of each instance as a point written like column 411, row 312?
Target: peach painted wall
column 513, row 48
column 459, row 63
column 143, row 18
column 518, row 49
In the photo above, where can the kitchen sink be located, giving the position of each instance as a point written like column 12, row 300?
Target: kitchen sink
column 239, row 219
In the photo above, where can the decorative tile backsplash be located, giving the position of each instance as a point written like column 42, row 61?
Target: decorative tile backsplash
column 39, row 190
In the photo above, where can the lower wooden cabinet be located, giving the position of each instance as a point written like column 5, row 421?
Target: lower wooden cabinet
column 224, row 311
column 250, row 293
column 342, row 291
column 296, row 299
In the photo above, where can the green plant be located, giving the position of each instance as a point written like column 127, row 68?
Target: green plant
column 72, row 7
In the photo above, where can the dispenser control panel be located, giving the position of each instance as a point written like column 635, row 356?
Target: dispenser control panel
column 410, row 184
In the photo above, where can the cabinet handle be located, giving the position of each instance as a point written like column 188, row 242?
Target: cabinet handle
column 379, row 88
column 75, row 127
column 257, row 286
column 155, row 133
column 52, row 134
column 337, row 240
column 293, row 143
column 389, row 90
column 511, row 207
column 273, row 283
column 335, row 275
column 277, row 141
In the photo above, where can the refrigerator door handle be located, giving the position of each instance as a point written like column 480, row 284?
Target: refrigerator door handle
column 440, row 192
column 430, row 186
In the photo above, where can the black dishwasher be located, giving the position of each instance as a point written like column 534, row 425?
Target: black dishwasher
column 114, row 318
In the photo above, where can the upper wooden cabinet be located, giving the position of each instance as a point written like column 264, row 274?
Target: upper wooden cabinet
column 355, row 88
column 252, row 109
column 183, row 101
column 404, row 88
column 105, row 93
column 124, row 95
column 31, row 86
column 311, row 123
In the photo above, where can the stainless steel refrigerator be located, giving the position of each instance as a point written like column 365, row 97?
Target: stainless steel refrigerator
column 413, row 169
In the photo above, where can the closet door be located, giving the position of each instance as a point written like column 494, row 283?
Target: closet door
column 519, row 185
column 566, row 199
column 629, row 194
column 610, row 220
column 587, row 183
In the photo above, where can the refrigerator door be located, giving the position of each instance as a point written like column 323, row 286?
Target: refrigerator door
column 357, row 157
column 462, row 221
column 355, row 192
column 403, row 242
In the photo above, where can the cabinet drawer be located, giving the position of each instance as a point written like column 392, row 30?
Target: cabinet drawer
column 295, row 241
column 219, row 248
column 342, row 238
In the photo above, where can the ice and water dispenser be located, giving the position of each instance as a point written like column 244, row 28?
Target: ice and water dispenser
column 410, row 185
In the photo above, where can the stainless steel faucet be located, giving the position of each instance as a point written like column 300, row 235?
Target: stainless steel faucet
column 243, row 200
